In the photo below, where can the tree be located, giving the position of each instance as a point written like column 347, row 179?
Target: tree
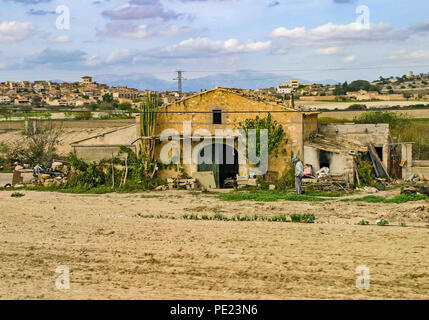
column 108, row 97
column 37, row 147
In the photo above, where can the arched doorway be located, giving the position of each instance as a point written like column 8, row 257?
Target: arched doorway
column 223, row 164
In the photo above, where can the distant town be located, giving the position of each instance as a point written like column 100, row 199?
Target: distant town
column 88, row 93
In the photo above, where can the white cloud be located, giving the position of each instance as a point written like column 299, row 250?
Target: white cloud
column 328, row 51
column 121, row 56
column 61, row 39
column 14, row 31
column 206, row 46
column 176, row 30
column 126, row 30
column 281, row 32
column 339, row 34
column 93, row 61
column 350, row 59
column 413, row 55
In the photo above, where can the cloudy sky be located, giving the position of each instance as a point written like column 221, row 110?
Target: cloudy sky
column 309, row 39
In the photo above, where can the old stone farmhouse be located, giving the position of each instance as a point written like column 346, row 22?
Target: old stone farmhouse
column 330, row 146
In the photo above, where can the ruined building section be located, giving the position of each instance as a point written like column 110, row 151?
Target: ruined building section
column 339, row 147
column 106, row 145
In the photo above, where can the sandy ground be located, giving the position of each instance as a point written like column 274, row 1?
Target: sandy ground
column 114, row 252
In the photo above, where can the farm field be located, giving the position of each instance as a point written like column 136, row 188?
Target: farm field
column 139, row 246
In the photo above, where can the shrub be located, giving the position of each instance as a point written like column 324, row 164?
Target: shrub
column 394, row 119
column 365, row 173
column 34, row 148
column 17, row 195
column 363, row 223
column 382, row 223
column 303, row 218
column 357, row 107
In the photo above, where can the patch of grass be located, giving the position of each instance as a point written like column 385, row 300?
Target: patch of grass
column 6, row 169
column 148, row 196
column 363, row 223
column 17, row 195
column 403, row 224
column 382, row 223
column 329, row 194
column 87, row 190
column 402, row 198
column 333, row 120
column 267, row 196
column 303, row 218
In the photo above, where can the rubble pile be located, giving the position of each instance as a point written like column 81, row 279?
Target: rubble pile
column 323, row 180
column 180, row 183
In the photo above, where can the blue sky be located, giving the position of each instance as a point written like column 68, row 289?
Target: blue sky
column 309, row 39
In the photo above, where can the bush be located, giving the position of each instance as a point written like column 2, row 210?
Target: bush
column 287, row 180
column 84, row 115
column 17, row 195
column 84, row 174
column 365, row 173
column 35, row 148
column 303, row 218
column 394, row 119
column 357, row 107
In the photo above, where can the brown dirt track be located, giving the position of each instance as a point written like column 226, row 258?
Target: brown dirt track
column 113, row 253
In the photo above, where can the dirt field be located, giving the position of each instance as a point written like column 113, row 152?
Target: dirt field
column 114, row 252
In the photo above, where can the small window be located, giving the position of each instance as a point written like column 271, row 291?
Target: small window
column 217, row 116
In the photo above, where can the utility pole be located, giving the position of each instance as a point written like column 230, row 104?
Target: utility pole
column 179, row 80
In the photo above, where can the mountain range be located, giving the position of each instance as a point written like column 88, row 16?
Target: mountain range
column 243, row 79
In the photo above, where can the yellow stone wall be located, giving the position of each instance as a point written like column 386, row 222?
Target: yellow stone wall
column 199, row 112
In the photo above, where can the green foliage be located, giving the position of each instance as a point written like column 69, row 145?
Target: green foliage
column 363, row 223
column 342, row 89
column 276, row 133
column 84, row 115
column 383, row 223
column 108, row 97
column 395, row 120
column 402, row 198
column 35, row 148
column 416, row 131
column 365, row 173
column 17, row 195
column 125, row 106
column 132, row 175
column 303, row 218
column 333, row 120
column 357, row 107
column 267, row 196
column 148, row 117
column 287, row 180
column 85, row 174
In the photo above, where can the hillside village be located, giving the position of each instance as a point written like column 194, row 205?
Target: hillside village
column 76, row 94
column 87, row 92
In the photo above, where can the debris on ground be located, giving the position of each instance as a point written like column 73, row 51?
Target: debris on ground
column 368, row 189
column 415, row 188
column 181, row 183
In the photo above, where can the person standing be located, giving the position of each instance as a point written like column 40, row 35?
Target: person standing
column 299, row 173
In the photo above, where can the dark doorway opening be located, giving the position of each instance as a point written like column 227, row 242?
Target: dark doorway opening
column 379, row 151
column 324, row 159
column 224, row 164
